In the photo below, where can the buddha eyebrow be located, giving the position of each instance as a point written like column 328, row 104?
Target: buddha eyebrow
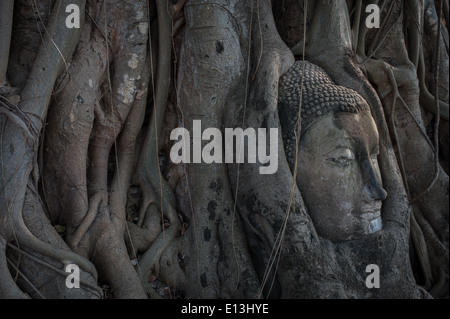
column 309, row 147
column 343, row 139
column 343, row 142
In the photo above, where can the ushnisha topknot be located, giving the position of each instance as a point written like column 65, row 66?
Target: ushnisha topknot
column 321, row 96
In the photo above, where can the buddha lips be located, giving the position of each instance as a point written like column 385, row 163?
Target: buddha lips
column 234, row 143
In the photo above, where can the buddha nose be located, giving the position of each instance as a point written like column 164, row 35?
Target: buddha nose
column 372, row 183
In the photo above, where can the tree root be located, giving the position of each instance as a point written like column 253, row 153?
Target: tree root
column 424, row 231
column 152, row 260
column 83, row 282
column 140, row 239
column 8, row 288
column 147, row 171
column 427, row 100
column 421, row 251
column 126, row 150
column 414, row 29
column 149, row 261
column 176, row 8
column 415, row 231
column 27, row 239
column 111, row 259
column 21, row 274
column 172, row 274
column 58, row 45
column 94, row 202
column 439, row 257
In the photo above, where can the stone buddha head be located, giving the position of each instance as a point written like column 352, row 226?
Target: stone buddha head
column 337, row 168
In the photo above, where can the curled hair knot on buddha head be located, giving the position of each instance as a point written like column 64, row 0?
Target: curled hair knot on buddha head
column 320, row 97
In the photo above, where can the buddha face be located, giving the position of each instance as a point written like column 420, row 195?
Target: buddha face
column 339, row 177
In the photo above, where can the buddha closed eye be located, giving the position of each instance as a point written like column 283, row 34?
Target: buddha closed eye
column 338, row 173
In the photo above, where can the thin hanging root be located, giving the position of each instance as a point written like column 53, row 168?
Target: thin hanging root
column 8, row 288
column 150, row 259
column 395, row 96
column 360, row 44
column 25, row 278
column 27, row 239
column 371, row 50
column 414, row 32
column 446, row 17
column 437, row 117
column 426, row 99
column 415, row 231
column 356, row 24
column 176, row 8
column 437, row 251
column 421, row 251
column 94, row 203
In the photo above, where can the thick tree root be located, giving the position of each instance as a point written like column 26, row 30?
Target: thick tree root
column 212, row 77
column 112, row 261
column 96, row 229
column 148, row 175
column 94, row 203
column 27, row 239
column 140, row 239
column 84, row 283
column 149, row 262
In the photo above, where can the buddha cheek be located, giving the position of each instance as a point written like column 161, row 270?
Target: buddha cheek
column 347, row 194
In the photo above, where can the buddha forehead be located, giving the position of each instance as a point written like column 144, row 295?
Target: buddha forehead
column 323, row 133
column 345, row 129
